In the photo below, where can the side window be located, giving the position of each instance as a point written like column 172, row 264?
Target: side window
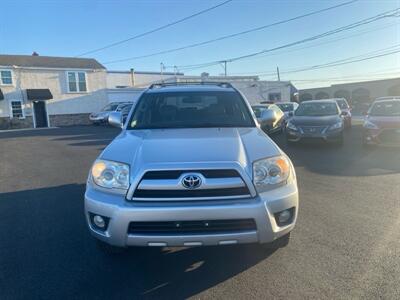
column 5, row 77
column 16, row 110
column 76, row 82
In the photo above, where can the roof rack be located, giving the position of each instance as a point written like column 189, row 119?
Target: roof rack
column 216, row 83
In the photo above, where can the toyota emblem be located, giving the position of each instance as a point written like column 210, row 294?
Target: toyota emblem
column 191, row 181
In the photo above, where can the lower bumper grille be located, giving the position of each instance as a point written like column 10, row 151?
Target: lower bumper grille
column 311, row 130
column 191, row 227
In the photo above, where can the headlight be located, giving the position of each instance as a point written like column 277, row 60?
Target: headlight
column 370, row 125
column 337, row 125
column 270, row 171
column 110, row 174
column 291, row 126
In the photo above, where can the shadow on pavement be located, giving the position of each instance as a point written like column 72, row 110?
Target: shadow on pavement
column 76, row 135
column 46, row 251
column 352, row 159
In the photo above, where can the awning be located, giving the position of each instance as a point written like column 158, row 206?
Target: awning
column 1, row 95
column 39, row 94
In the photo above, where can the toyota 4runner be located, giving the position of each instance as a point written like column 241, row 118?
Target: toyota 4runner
column 191, row 167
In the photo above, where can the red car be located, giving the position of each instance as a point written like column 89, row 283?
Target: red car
column 382, row 123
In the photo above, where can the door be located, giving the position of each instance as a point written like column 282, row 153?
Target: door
column 39, row 108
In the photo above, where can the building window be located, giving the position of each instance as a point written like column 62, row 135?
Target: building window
column 76, row 82
column 17, row 110
column 5, row 77
column 274, row 97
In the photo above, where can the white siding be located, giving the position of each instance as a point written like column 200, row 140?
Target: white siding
column 63, row 102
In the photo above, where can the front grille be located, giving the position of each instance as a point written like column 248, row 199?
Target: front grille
column 167, row 185
column 313, row 129
column 191, row 193
column 390, row 136
column 174, row 174
column 191, row 227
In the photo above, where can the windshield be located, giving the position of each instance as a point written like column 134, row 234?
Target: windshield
column 190, row 110
column 285, row 106
column 110, row 107
column 317, row 109
column 387, row 109
column 342, row 104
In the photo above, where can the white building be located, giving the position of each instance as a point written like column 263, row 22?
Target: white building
column 42, row 91
column 255, row 90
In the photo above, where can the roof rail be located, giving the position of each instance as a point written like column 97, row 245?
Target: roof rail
column 216, row 83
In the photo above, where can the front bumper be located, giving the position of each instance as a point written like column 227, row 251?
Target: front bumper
column 380, row 137
column 327, row 136
column 122, row 212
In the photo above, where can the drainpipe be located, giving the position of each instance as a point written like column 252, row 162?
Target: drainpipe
column 132, row 77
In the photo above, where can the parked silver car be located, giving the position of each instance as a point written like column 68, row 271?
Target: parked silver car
column 270, row 117
column 102, row 116
column 191, row 167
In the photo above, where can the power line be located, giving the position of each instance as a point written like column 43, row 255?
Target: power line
column 231, row 35
column 155, row 29
column 390, row 13
column 300, row 69
column 361, row 32
column 339, row 62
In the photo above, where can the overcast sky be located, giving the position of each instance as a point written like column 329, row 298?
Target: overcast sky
column 69, row 28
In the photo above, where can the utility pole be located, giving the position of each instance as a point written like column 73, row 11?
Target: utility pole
column 277, row 71
column 225, row 67
column 162, row 70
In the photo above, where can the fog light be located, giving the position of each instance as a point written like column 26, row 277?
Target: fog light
column 284, row 217
column 99, row 221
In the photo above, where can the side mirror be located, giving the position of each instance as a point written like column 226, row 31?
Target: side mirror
column 115, row 119
column 268, row 117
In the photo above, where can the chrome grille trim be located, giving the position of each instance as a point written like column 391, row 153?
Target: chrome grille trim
column 176, row 184
column 166, row 185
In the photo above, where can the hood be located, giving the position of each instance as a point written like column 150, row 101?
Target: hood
column 163, row 147
column 315, row 121
column 385, row 122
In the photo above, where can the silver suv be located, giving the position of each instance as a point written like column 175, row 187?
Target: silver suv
column 191, row 167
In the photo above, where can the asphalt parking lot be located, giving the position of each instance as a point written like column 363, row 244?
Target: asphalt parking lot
column 346, row 243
